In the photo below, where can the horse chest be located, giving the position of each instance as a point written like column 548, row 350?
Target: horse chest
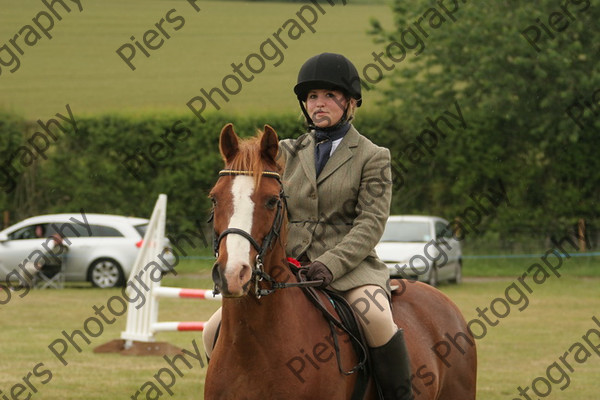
column 300, row 367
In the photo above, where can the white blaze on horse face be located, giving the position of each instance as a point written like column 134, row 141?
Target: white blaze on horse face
column 238, row 247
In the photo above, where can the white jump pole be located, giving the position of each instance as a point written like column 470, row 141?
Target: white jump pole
column 140, row 321
column 143, row 323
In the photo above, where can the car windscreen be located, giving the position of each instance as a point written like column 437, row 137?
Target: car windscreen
column 406, row 231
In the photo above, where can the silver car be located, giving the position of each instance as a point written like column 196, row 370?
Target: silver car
column 421, row 247
column 101, row 248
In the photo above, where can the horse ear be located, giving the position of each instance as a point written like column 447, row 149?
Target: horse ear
column 228, row 143
column 269, row 144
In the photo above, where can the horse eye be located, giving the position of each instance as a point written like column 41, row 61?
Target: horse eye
column 272, row 202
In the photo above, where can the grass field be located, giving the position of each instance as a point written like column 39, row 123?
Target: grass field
column 511, row 354
column 579, row 264
column 79, row 65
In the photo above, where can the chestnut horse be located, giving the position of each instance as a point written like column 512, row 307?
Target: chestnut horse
column 279, row 346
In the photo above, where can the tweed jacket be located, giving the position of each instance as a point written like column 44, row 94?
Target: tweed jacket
column 339, row 217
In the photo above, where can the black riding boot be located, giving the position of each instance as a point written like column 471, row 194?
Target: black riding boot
column 391, row 366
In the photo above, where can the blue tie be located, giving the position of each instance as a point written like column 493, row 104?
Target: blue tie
column 322, row 150
column 324, row 142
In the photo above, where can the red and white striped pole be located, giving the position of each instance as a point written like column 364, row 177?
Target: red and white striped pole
column 178, row 326
column 173, row 292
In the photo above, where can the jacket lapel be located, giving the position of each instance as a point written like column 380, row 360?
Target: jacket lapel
column 342, row 154
column 307, row 160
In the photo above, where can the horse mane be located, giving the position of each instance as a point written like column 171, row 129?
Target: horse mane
column 249, row 158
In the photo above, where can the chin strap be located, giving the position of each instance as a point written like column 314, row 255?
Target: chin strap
column 309, row 121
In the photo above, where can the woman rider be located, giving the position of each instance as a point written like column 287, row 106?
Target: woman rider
column 339, row 191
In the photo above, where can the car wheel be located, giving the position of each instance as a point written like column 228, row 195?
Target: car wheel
column 433, row 276
column 457, row 274
column 106, row 273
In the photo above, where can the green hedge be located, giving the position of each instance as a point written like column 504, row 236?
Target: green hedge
column 119, row 164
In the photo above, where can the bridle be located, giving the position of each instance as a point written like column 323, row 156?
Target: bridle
column 258, row 274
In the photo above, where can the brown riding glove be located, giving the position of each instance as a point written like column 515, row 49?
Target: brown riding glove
column 317, row 271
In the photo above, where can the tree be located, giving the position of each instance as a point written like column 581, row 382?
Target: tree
column 529, row 90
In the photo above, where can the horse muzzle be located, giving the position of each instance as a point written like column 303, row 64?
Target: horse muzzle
column 232, row 280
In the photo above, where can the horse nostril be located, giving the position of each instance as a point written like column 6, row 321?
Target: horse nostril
column 244, row 271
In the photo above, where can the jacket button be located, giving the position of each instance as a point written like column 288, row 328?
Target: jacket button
column 312, row 195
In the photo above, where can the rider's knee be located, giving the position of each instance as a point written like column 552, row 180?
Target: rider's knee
column 370, row 301
column 210, row 332
column 372, row 308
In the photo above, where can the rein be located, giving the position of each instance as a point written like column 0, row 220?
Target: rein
column 258, row 273
column 338, row 323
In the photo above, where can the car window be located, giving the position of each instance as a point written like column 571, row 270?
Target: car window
column 68, row 230
column 406, row 231
column 30, row 232
column 443, row 230
column 141, row 229
column 104, row 231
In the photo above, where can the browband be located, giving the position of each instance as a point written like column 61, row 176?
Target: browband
column 229, row 172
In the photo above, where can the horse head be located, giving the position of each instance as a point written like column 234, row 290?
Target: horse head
column 248, row 210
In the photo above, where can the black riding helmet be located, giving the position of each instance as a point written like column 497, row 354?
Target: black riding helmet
column 327, row 71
